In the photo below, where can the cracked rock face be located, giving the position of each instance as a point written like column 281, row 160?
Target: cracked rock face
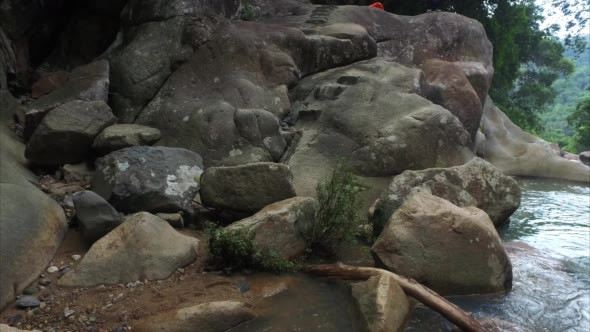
column 153, row 179
column 449, row 249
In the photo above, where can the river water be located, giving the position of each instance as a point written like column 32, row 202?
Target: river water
column 548, row 240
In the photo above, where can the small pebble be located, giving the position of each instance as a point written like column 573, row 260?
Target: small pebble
column 44, row 281
column 68, row 312
column 42, row 305
column 76, row 257
column 52, row 269
column 28, row 301
column 243, row 286
column 181, row 270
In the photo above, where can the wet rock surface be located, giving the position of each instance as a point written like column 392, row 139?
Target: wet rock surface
column 208, row 317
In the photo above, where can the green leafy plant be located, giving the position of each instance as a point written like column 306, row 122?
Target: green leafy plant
column 235, row 249
column 247, row 12
column 338, row 217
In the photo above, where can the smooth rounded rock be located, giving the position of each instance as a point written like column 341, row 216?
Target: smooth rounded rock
column 142, row 247
column 28, row 301
column 95, row 215
column 452, row 250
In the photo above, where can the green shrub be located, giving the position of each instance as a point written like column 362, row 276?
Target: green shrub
column 247, row 12
column 338, row 217
column 235, row 250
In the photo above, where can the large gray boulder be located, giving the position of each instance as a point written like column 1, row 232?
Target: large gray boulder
column 281, row 226
column 66, row 133
column 246, row 188
column 205, row 317
column 449, row 249
column 144, row 178
column 32, row 224
column 161, row 70
column 476, row 183
column 382, row 303
column 95, row 215
column 142, row 247
column 372, row 114
column 86, row 83
column 120, row 136
column 516, row 152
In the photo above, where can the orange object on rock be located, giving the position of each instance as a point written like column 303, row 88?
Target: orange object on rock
column 377, row 5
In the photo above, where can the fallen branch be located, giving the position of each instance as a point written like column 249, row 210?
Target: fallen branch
column 412, row 288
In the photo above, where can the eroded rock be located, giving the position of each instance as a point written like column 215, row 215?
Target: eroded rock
column 372, row 114
column 516, row 152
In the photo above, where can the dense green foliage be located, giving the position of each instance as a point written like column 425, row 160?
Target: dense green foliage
column 527, row 59
column 580, row 119
column 559, row 124
column 338, row 217
column 247, row 11
column 235, row 250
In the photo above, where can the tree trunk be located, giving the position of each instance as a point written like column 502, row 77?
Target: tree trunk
column 412, row 288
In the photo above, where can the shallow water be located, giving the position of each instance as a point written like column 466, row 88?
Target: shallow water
column 548, row 240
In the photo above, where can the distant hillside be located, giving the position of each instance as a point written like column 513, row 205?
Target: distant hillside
column 570, row 90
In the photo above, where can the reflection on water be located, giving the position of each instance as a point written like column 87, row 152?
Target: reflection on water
column 548, row 240
column 309, row 304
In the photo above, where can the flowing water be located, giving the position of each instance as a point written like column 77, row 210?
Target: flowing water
column 548, row 240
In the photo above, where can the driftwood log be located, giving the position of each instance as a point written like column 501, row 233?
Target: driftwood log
column 412, row 288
